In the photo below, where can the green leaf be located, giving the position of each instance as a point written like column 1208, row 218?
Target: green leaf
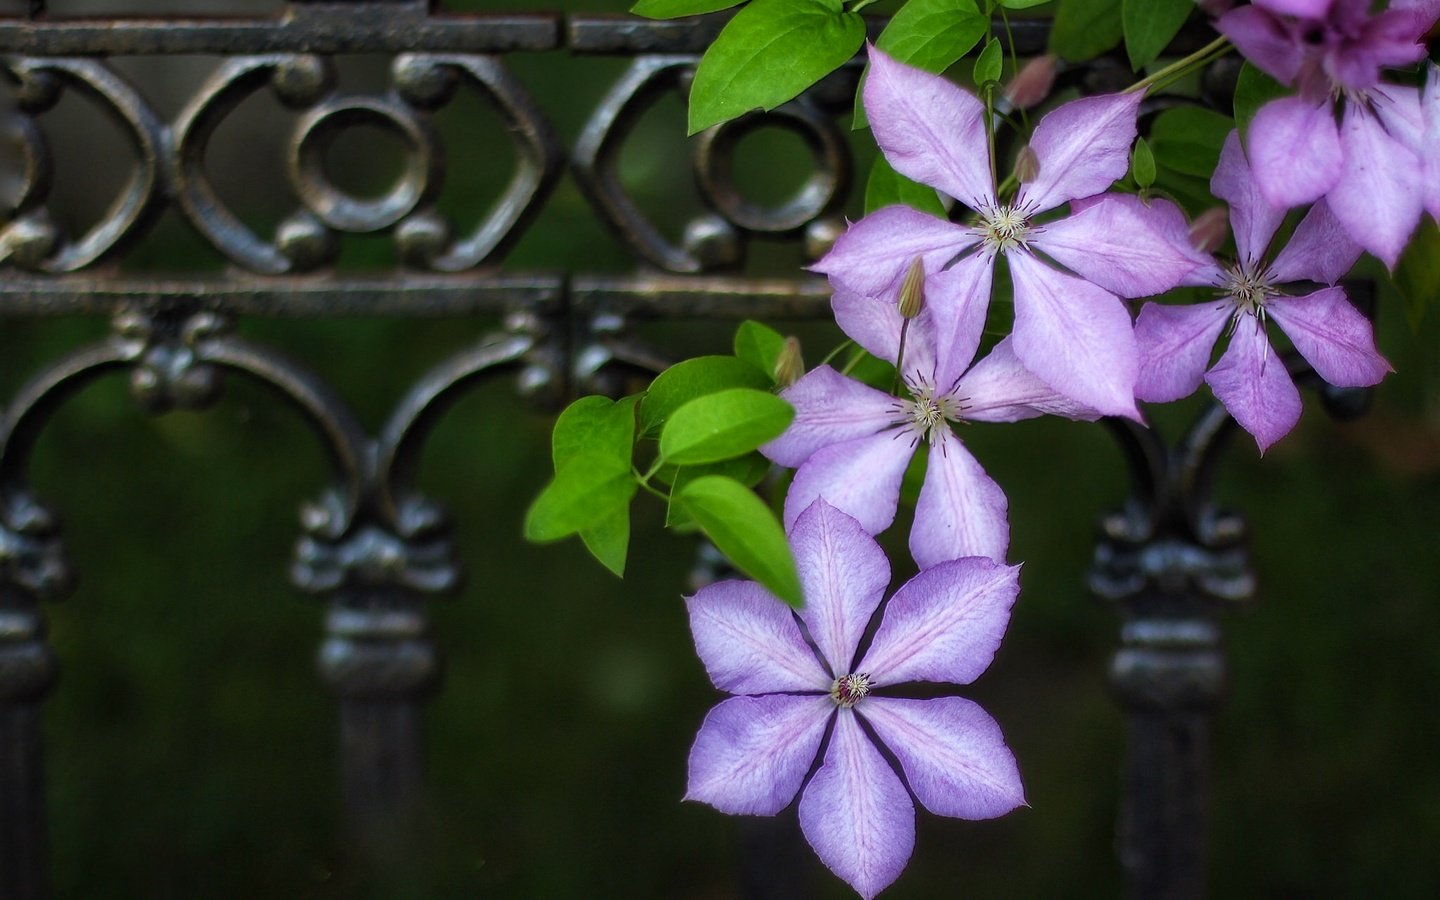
column 990, row 63
column 1417, row 274
column 1022, row 4
column 694, row 378
column 596, row 424
column 1254, row 89
column 1150, row 26
column 748, row 470
column 887, row 187
column 719, row 426
column 609, row 540
column 1142, row 164
column 674, row 9
column 1188, row 139
column 760, row 345
column 744, row 529
column 770, row 52
column 930, row 35
column 1084, row 29
column 588, row 488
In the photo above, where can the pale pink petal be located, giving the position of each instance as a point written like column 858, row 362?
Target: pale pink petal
column 856, row 813
column 829, row 409
column 843, row 573
column 1294, row 149
column 1264, row 40
column 1075, row 336
column 1251, row 381
column 944, row 624
column 1120, row 244
column 860, row 477
column 961, row 511
column 930, row 130
column 1175, row 344
column 952, row 753
column 1252, row 218
column 957, row 300
column 1379, row 196
column 749, row 641
column 1332, row 335
column 1000, row 389
column 873, row 255
column 1083, row 148
column 1319, row 250
column 752, row 753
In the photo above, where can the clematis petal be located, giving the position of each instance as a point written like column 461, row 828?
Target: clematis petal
column 1319, row 250
column 1175, row 344
column 1251, row 381
column 1412, row 117
column 752, row 753
column 1430, row 112
column 859, row 477
column 829, row 409
column 1000, row 389
column 749, row 641
column 1294, row 150
column 856, row 813
column 944, row 624
column 961, row 511
column 957, row 300
column 1307, row 9
column 844, row 574
column 1423, row 14
column 1170, row 225
column 1252, row 218
column 1264, row 40
column 1332, row 335
column 1083, row 148
column 873, row 254
column 1376, row 198
column 930, row 130
column 1120, row 244
column 952, row 752
column 875, row 325
column 1075, row 336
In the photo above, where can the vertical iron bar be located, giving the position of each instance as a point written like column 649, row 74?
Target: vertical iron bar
column 27, row 673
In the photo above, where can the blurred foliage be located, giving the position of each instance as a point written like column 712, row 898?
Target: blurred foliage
column 191, row 747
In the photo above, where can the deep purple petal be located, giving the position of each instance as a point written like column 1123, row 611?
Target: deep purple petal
column 752, row 753
column 749, row 641
column 961, row 511
column 1423, row 14
column 1083, row 147
column 1075, row 336
column 829, row 409
column 843, row 573
column 1175, row 344
column 873, row 255
column 1332, row 336
column 1250, row 379
column 930, row 130
column 856, row 813
column 952, row 752
column 944, row 624
column 860, row 477
column 1120, row 244
column 1000, row 389
column 1294, row 150
column 1379, row 196
column 957, row 300
column 1319, row 250
column 1252, row 218
column 1264, row 40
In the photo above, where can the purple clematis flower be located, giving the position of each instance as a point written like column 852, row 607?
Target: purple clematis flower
column 1072, row 332
column 1250, row 380
column 851, row 443
column 1335, row 50
column 1413, row 118
column 796, row 677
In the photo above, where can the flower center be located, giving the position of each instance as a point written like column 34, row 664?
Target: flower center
column 926, row 411
column 849, row 690
column 1250, row 290
column 1006, row 227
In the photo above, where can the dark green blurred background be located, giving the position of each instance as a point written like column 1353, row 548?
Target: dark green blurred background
column 191, row 748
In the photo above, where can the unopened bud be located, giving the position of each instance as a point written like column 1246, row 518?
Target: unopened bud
column 789, row 365
column 1032, row 83
column 1027, row 166
column 912, row 289
column 1210, row 229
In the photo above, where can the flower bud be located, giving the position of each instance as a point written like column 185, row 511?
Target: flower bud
column 1032, row 83
column 1209, row 229
column 912, row 289
column 789, row 365
column 1027, row 166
